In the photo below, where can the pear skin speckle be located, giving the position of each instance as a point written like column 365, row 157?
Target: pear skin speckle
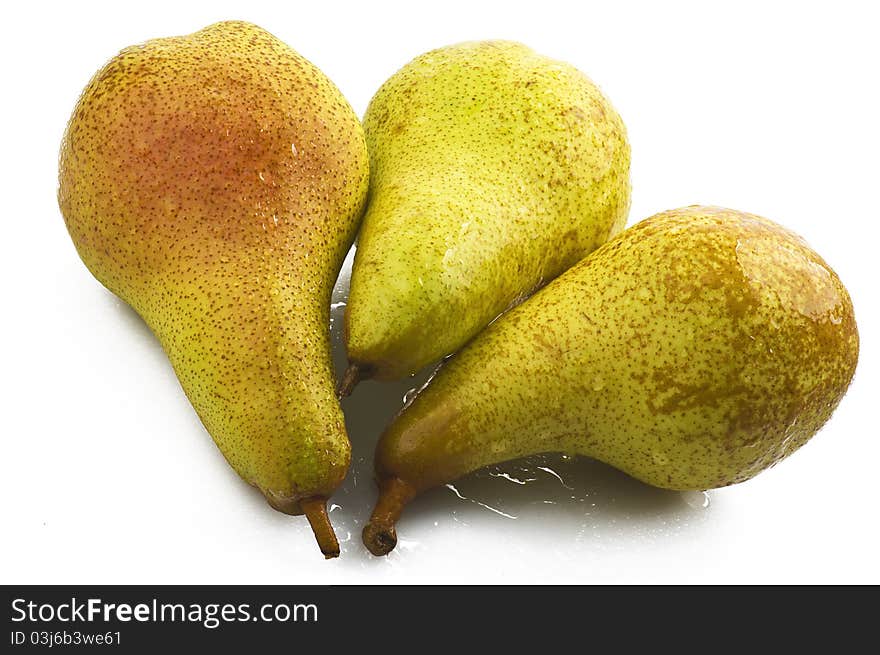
column 692, row 351
column 494, row 169
column 214, row 182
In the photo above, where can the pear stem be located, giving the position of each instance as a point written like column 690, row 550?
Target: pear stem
column 353, row 374
column 315, row 510
column 379, row 534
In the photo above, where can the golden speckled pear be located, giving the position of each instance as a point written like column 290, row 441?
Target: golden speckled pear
column 214, row 182
column 693, row 351
column 494, row 169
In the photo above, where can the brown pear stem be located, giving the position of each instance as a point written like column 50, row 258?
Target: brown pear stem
column 315, row 510
column 349, row 380
column 379, row 534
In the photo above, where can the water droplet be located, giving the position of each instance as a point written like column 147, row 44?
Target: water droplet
column 293, row 149
column 448, row 256
column 477, row 502
column 409, row 396
column 696, row 499
column 549, row 470
column 507, row 476
column 337, row 305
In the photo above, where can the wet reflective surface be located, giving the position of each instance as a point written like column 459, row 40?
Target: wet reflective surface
column 552, row 497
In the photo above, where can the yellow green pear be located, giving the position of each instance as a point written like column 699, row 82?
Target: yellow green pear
column 493, row 170
column 214, row 182
column 692, row 351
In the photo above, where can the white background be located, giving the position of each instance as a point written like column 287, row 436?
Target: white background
column 108, row 476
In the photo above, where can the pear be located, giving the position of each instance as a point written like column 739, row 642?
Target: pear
column 494, row 169
column 214, row 183
column 693, row 351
